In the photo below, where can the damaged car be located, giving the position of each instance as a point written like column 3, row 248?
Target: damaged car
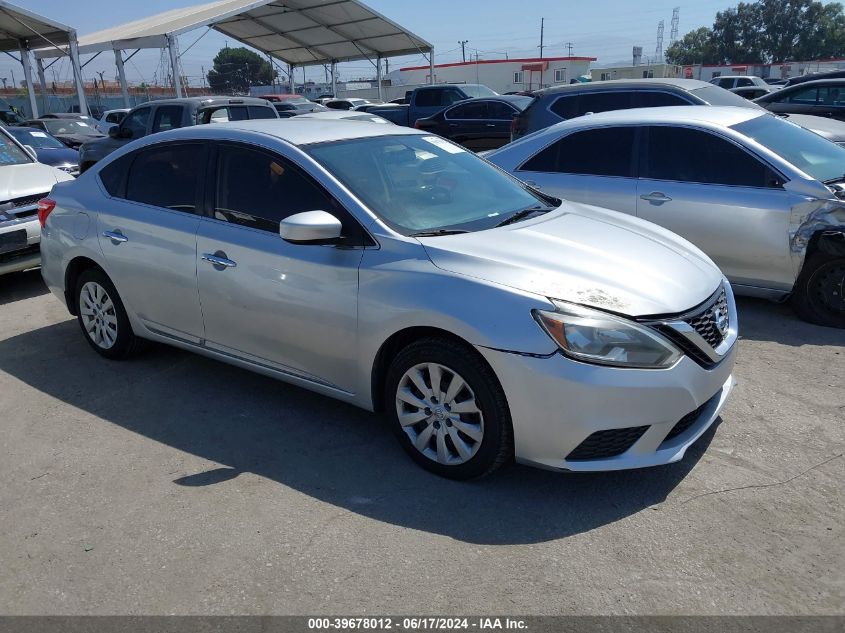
column 762, row 196
column 397, row 271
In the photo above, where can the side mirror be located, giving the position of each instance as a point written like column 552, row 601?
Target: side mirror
column 310, row 227
column 114, row 131
column 31, row 151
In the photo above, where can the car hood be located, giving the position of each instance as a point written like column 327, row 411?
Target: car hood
column 29, row 179
column 585, row 255
column 831, row 129
column 57, row 155
column 79, row 138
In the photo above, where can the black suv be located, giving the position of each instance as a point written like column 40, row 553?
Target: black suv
column 554, row 105
column 167, row 114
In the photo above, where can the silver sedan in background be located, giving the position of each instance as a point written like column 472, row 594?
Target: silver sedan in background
column 396, row 271
column 763, row 197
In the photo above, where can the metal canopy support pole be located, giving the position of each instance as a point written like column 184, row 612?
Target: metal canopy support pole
column 121, row 75
column 334, row 79
column 431, row 66
column 174, row 65
column 73, row 48
column 45, row 98
column 291, row 83
column 26, row 62
column 378, row 77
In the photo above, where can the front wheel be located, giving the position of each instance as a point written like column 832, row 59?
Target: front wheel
column 448, row 409
column 819, row 295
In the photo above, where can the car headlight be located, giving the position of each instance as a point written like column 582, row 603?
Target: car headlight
column 597, row 337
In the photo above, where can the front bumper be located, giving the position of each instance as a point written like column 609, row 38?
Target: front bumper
column 19, row 239
column 557, row 403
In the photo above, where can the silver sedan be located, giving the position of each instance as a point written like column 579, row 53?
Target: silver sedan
column 396, row 271
column 763, row 197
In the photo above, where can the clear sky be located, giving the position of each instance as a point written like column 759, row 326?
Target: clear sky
column 606, row 29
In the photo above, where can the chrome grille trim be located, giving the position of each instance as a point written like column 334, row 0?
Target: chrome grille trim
column 697, row 326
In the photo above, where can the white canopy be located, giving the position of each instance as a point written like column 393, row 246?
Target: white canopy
column 299, row 32
column 23, row 30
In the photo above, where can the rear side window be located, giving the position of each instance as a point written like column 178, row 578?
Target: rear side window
column 471, row 110
column 167, row 118
column 741, row 83
column 600, row 152
column 657, row 100
column 714, row 161
column 113, row 175
column 167, row 176
column 596, row 102
column 500, row 111
column 566, row 107
column 260, row 112
column 427, row 98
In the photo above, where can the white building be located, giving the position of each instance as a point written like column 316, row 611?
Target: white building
column 501, row 75
column 783, row 70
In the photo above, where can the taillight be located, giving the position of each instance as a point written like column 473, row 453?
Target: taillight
column 45, row 208
column 514, row 127
column 417, row 125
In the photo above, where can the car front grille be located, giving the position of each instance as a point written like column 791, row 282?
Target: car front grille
column 705, row 322
column 689, row 419
column 607, row 443
column 22, row 207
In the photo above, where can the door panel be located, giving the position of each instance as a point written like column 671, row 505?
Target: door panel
column 619, row 194
column 292, row 305
column 154, row 270
column 744, row 230
column 147, row 233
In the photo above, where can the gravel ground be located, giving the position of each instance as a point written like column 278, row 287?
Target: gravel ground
column 176, row 484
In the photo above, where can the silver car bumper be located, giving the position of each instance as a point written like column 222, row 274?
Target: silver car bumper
column 19, row 239
column 556, row 404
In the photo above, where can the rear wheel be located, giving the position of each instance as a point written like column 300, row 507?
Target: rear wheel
column 448, row 409
column 102, row 317
column 819, row 295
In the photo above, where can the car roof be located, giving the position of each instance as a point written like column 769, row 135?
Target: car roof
column 819, row 82
column 716, row 115
column 209, row 101
column 735, row 77
column 295, row 130
column 615, row 84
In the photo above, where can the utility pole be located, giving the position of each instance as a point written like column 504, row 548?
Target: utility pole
column 463, row 44
column 102, row 81
column 542, row 28
column 570, row 46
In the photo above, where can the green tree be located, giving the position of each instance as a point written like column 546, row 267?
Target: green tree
column 236, row 69
column 737, row 34
column 766, row 31
column 696, row 47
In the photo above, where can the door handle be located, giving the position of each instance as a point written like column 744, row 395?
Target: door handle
column 491, row 125
column 116, row 237
column 656, row 197
column 219, row 260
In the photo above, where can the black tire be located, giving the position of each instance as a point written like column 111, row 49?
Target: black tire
column 819, row 295
column 125, row 342
column 495, row 447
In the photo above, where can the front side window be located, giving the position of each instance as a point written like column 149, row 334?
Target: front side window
column 807, row 96
column 257, row 189
column 695, row 156
column 599, row 152
column 261, row 112
column 167, row 176
column 137, row 122
column 115, row 117
column 167, row 118
column 420, row 183
column 427, row 98
column 11, row 153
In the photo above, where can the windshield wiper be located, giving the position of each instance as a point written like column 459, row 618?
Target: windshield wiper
column 438, row 232
column 832, row 181
column 520, row 215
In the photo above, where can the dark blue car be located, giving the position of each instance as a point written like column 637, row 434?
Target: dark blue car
column 50, row 150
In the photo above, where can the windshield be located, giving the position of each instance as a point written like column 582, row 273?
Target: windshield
column 477, row 90
column 66, row 126
column 809, row 152
column 296, row 101
column 11, row 153
column 424, row 183
column 36, row 138
column 716, row 96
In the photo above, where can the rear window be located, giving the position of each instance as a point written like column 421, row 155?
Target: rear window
column 261, row 112
column 716, row 96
